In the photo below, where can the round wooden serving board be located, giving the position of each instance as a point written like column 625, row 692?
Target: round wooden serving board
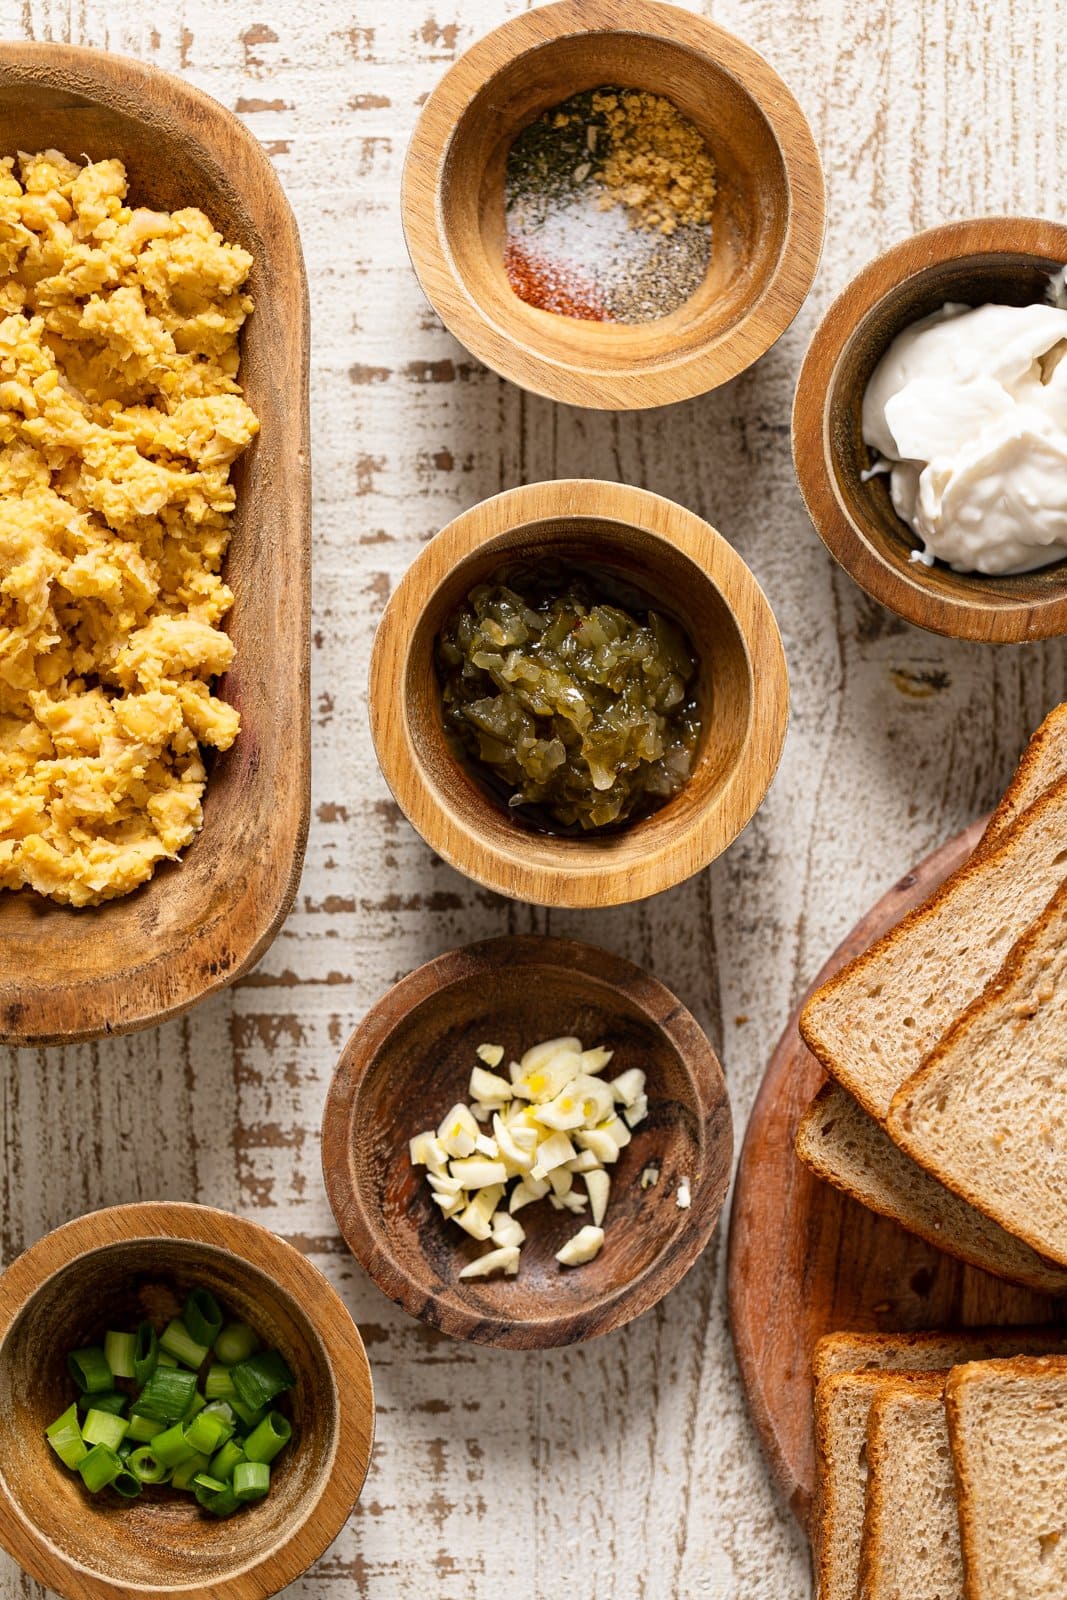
column 806, row 1260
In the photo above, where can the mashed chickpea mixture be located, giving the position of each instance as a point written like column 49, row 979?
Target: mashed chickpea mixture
column 120, row 415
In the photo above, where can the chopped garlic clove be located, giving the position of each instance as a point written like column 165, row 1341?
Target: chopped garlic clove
column 486, row 1086
column 476, row 1172
column 597, row 1100
column 561, row 1180
column 600, row 1142
column 596, row 1060
column 637, row 1112
column 573, row 1201
column 582, row 1248
column 523, row 1135
column 553, row 1152
column 564, row 1112
column 616, row 1129
column 491, row 1054
column 526, row 1190
column 549, row 1081
column 505, row 1229
column 511, row 1153
column 486, row 1146
column 487, row 1200
column 628, row 1086
column 444, row 1183
column 650, row 1176
column 584, row 1161
column 458, row 1131
column 598, row 1185
column 506, row 1259
column 418, row 1146
column 539, row 1055
column 473, row 1222
column 449, row 1203
column 683, row 1199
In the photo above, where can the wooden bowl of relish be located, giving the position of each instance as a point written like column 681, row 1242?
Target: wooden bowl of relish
column 651, row 557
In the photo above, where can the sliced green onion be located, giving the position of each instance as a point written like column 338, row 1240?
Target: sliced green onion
column 221, row 1503
column 112, row 1401
column 90, row 1370
column 204, row 1480
column 126, row 1483
column 65, row 1437
column 251, row 1480
column 171, row 1447
column 103, row 1427
column 99, row 1468
column 177, row 1341
column 145, row 1353
column 168, row 1394
column 259, row 1379
column 218, row 1385
column 231, row 1455
column 196, row 1405
column 246, row 1416
column 207, row 1433
column 272, row 1435
column 143, row 1429
column 236, row 1342
column 183, row 1475
column 147, row 1465
column 119, row 1352
column 165, row 1359
column 203, row 1316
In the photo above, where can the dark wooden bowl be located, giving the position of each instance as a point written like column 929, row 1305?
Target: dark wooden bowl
column 410, row 1060
column 70, row 974
column 683, row 566
column 113, row 1268
column 1005, row 259
column 767, row 225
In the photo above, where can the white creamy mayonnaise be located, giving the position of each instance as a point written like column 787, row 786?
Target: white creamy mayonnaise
column 967, row 410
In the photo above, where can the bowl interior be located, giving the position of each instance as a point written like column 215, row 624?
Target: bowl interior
column 1005, row 277
column 422, row 1067
column 670, row 580
column 163, row 1538
column 748, row 223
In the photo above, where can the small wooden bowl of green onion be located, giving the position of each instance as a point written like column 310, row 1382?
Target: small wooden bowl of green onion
column 185, row 1407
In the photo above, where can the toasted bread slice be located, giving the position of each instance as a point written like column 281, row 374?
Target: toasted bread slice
column 911, row 1532
column 844, row 1146
column 874, row 1023
column 1007, row 1423
column 987, row 1111
column 931, row 1350
column 1043, row 762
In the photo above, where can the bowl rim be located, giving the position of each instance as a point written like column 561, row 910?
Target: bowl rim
column 708, row 832
column 223, row 1231
column 908, row 593
column 677, row 377
column 163, row 982
column 367, row 1242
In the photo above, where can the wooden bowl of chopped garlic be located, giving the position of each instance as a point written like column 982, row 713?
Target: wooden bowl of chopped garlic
column 613, row 205
column 527, row 1142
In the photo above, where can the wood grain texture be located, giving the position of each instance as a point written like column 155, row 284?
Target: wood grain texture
column 68, row 974
column 410, row 1061
column 115, row 1268
column 684, row 568
column 633, row 1457
column 767, row 222
column 806, row 1260
column 1002, row 260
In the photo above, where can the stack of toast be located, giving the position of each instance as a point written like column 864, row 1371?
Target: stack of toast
column 933, row 1456
column 946, row 1046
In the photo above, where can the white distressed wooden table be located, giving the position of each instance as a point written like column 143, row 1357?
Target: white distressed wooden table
column 626, row 1468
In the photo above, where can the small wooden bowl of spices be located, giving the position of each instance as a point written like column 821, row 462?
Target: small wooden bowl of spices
column 63, row 1305
column 578, row 694
column 410, row 1062
column 614, row 206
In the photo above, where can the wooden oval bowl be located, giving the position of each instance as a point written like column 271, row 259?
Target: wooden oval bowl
column 69, row 974
column 116, row 1267
column 1004, row 259
column 683, row 566
column 410, row 1060
column 767, row 221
